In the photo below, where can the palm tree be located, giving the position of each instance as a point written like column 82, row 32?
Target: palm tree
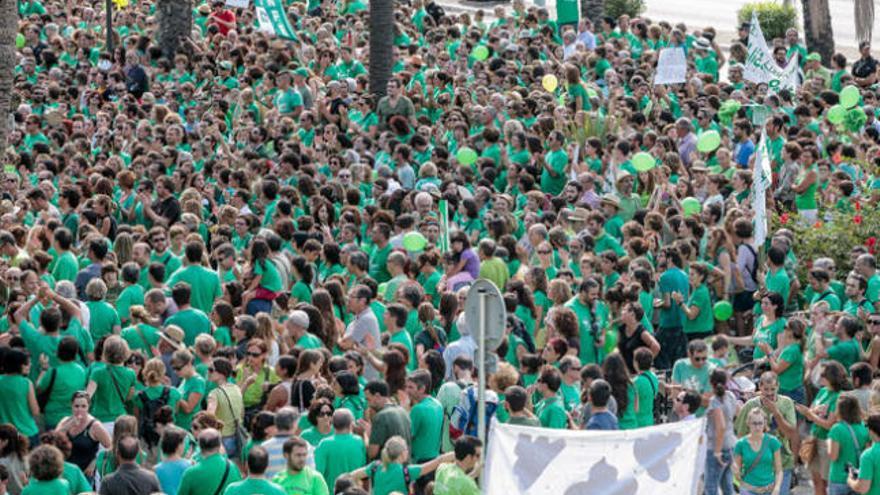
column 175, row 23
column 817, row 28
column 593, row 10
column 381, row 45
column 864, row 14
column 8, row 30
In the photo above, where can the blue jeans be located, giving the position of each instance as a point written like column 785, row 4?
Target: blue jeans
column 798, row 395
column 786, row 482
column 839, row 489
column 231, row 446
column 259, row 306
column 718, row 475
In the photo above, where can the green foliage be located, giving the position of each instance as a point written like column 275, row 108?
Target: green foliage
column 617, row 8
column 775, row 18
column 833, row 238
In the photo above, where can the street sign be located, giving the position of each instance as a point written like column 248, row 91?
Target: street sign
column 484, row 310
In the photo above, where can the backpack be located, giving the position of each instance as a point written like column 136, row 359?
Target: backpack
column 435, row 11
column 518, row 328
column 464, row 418
column 146, row 425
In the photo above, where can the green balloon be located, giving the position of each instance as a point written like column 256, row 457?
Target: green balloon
column 414, row 241
column 836, row 114
column 481, row 52
column 723, row 310
column 19, row 40
column 708, row 141
column 466, row 156
column 849, row 96
column 691, row 206
column 643, row 161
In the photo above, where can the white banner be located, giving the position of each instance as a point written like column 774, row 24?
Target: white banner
column 665, row 459
column 762, row 177
column 240, row 4
column 762, row 68
column 671, row 66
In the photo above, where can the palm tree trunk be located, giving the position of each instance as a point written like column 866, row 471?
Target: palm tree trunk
column 8, row 30
column 817, row 28
column 864, row 14
column 593, row 10
column 175, row 23
column 381, row 44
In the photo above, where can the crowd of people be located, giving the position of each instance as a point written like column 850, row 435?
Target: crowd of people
column 228, row 272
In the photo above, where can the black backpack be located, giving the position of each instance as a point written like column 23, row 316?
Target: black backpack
column 146, row 425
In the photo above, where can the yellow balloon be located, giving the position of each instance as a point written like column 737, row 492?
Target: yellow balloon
column 550, row 82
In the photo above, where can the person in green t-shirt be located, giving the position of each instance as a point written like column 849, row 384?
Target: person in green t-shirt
column 111, row 386
column 297, row 477
column 789, row 364
column 256, row 482
column 458, row 478
column 551, row 410
column 46, row 472
column 846, row 440
column 392, row 474
column 426, row 417
column 699, row 321
column 554, row 165
column 823, row 414
column 869, row 462
column 214, row 472
column 757, row 460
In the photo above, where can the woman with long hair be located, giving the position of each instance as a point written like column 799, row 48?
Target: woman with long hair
column 13, row 454
column 768, row 326
column 18, row 402
column 846, row 441
column 332, row 326
column 623, row 390
column 254, row 377
column 302, row 272
column 348, row 394
column 264, row 282
column 447, row 312
column 720, row 435
column 788, row 363
column 823, row 414
column 307, row 379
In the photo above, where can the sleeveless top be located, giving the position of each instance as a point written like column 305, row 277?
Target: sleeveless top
column 84, row 447
column 628, row 345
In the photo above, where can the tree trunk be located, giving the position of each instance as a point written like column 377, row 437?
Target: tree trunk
column 593, row 10
column 381, row 44
column 864, row 14
column 8, row 30
column 175, row 23
column 817, row 28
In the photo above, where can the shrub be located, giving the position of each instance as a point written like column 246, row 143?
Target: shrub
column 617, row 8
column 775, row 18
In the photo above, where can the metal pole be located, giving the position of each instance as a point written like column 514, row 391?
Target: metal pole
column 481, row 367
column 109, row 41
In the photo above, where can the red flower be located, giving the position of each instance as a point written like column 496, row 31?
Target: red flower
column 857, row 219
column 783, row 219
column 818, row 224
column 858, row 206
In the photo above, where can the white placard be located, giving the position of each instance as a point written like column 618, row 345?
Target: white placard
column 671, row 66
column 238, row 4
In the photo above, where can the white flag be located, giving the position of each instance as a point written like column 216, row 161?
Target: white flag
column 762, row 180
column 762, row 68
column 665, row 459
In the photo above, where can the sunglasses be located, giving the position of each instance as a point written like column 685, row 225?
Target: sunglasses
column 176, row 368
column 255, row 354
column 875, row 322
column 211, row 369
column 325, row 413
column 544, row 252
column 700, row 359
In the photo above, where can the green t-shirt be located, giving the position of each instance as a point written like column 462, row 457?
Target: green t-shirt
column 110, row 397
column 207, row 473
column 141, row 337
column 287, row 101
column 155, row 392
column 76, row 479
column 628, row 419
column 171, row 262
column 309, row 341
column 558, row 161
column 696, row 379
column 647, row 386
column 192, row 321
column 14, row 408
column 828, row 398
column 300, row 293
column 705, row 321
column 254, row 393
column 130, row 296
column 69, row 378
column 66, row 267
column 551, row 412
column 403, row 337
column 306, row 482
column 846, row 435
column 340, row 454
column 869, row 468
column 452, row 480
column 271, row 279
column 426, row 421
column 314, row 436
column 254, row 486
column 193, row 385
column 762, row 473
column 205, row 285
column 390, row 479
column 845, row 352
column 673, row 280
column 378, row 264
column 54, row 487
column 102, row 319
column 766, row 334
column 793, row 376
